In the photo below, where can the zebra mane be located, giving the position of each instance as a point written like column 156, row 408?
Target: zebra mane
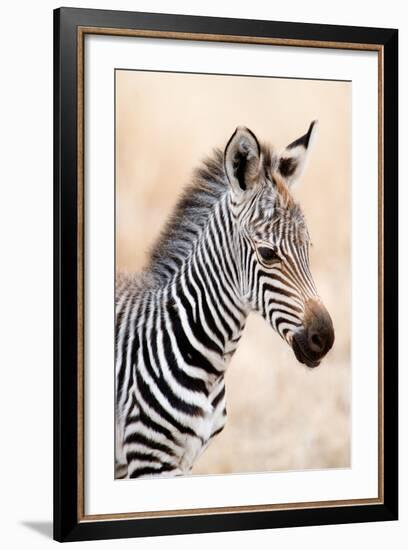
column 188, row 219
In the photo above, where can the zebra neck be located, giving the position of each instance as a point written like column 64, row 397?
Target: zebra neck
column 197, row 337
column 201, row 303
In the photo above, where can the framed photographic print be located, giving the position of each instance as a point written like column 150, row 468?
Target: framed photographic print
column 225, row 274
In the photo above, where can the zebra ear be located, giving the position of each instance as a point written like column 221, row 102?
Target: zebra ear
column 293, row 159
column 241, row 159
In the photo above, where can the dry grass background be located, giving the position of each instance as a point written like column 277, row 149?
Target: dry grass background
column 281, row 415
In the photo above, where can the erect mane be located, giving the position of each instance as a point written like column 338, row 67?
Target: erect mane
column 188, row 219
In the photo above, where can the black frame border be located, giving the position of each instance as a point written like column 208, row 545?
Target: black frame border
column 67, row 527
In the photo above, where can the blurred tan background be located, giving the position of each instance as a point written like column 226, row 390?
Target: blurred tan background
column 281, row 415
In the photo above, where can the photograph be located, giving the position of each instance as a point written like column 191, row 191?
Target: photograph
column 225, row 274
column 233, row 274
column 202, row 268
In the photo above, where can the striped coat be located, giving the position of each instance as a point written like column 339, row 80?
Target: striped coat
column 237, row 242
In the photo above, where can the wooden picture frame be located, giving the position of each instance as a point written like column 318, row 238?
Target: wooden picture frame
column 70, row 28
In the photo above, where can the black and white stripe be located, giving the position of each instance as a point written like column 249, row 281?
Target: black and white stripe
column 179, row 323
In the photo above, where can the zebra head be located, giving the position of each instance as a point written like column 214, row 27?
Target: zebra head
column 273, row 242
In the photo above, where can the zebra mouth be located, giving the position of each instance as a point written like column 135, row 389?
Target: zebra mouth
column 302, row 357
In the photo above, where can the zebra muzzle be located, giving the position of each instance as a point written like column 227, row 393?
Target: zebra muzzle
column 316, row 337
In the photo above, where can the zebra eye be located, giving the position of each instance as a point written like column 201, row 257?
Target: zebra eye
column 268, row 255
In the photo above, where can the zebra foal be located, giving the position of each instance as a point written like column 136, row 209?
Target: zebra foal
column 237, row 242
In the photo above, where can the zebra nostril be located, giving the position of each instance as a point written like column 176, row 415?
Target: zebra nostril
column 316, row 342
